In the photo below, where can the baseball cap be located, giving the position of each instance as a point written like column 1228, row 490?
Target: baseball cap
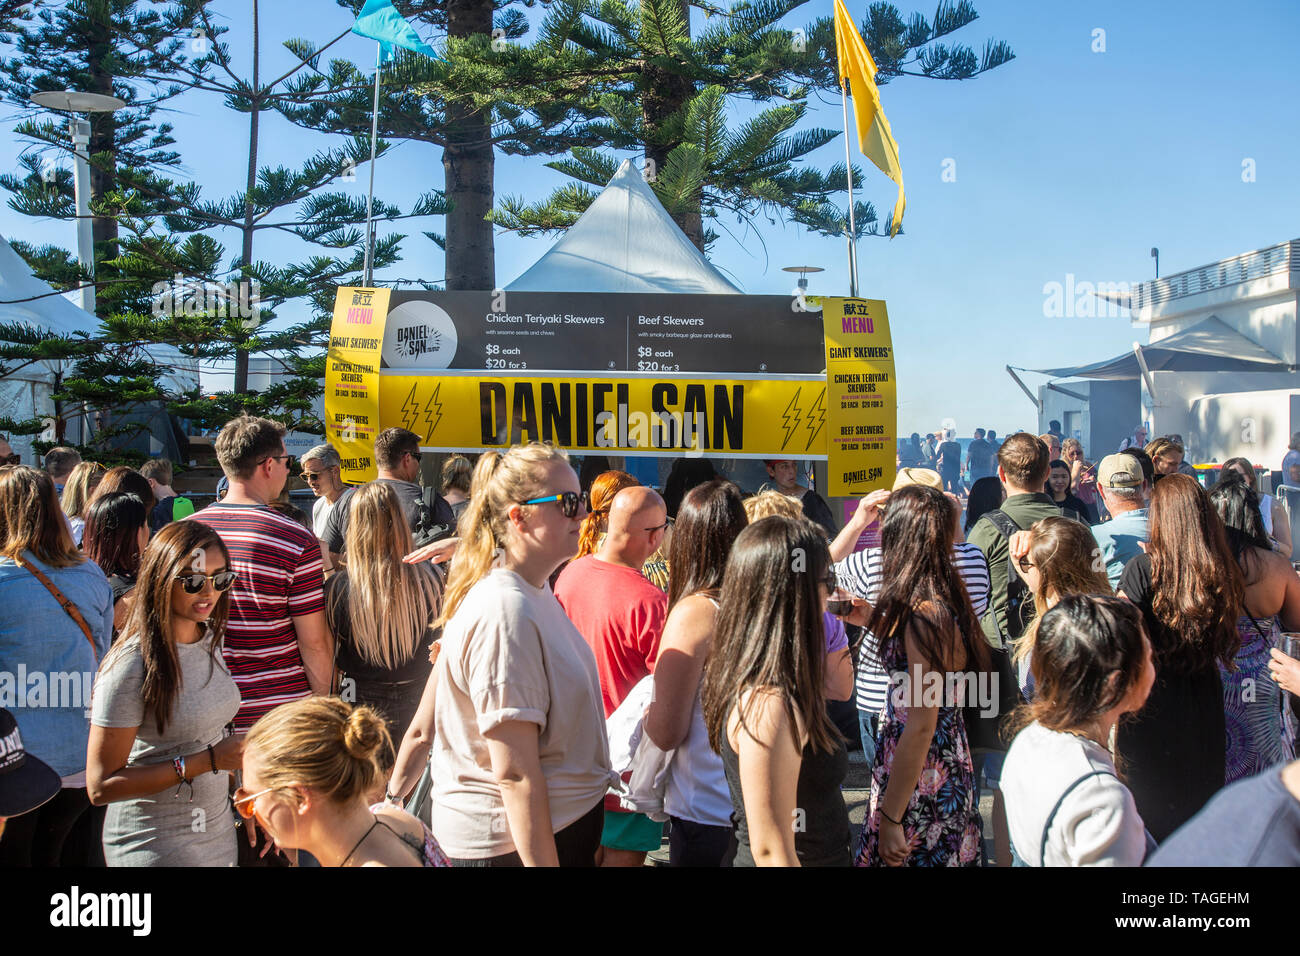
column 25, row 782
column 917, row 476
column 1119, row 471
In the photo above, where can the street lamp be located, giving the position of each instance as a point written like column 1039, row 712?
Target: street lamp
column 1155, row 254
column 803, row 274
column 68, row 101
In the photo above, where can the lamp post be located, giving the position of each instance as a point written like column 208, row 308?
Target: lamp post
column 67, row 101
column 802, row 290
column 1155, row 254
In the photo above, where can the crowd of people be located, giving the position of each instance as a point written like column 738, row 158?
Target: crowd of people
column 548, row 668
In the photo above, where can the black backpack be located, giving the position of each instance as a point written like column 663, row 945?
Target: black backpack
column 428, row 528
column 1020, row 601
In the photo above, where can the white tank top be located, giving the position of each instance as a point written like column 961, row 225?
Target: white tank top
column 697, row 786
column 1266, row 512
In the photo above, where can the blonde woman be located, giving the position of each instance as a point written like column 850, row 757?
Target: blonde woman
column 77, row 491
column 381, row 610
column 513, row 711
column 457, row 472
column 1055, row 558
column 308, row 768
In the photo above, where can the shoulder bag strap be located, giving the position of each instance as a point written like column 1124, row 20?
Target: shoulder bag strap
column 69, row 608
column 1042, row 846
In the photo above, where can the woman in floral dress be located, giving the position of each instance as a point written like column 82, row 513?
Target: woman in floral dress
column 923, row 809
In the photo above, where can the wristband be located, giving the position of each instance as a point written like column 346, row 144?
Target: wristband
column 212, row 758
column 388, row 797
column 178, row 764
column 897, row 823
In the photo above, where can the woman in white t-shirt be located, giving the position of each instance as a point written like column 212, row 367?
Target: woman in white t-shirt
column 1066, row 805
column 512, row 715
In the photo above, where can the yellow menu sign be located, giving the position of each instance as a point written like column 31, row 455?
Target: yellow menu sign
column 861, row 396
column 352, row 378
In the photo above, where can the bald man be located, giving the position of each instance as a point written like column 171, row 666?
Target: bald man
column 621, row 615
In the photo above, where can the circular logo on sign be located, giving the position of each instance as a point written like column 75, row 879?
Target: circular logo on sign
column 419, row 334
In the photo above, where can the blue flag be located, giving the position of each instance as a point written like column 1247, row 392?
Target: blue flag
column 379, row 20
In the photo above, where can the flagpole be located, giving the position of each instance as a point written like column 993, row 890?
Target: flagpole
column 368, row 268
column 848, row 172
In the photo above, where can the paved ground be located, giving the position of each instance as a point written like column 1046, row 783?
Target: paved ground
column 857, row 793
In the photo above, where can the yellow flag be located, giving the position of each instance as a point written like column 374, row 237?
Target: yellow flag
column 875, row 139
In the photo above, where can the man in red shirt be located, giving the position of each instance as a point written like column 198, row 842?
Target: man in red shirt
column 277, row 645
column 621, row 615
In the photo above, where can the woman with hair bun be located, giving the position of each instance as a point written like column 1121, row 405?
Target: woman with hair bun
column 310, row 769
column 1066, row 805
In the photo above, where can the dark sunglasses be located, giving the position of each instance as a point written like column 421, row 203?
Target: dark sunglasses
column 1023, row 561
column 288, row 459
column 832, row 582
column 313, row 476
column 567, row 500
column 193, row 582
column 668, row 523
column 11, row 460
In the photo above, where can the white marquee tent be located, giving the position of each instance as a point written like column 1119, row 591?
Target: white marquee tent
column 624, row 242
column 25, row 393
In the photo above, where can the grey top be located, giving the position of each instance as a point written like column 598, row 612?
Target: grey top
column 168, row 828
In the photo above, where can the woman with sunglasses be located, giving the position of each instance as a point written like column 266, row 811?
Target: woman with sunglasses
column 1055, row 558
column 520, row 758
column 158, row 752
column 309, row 769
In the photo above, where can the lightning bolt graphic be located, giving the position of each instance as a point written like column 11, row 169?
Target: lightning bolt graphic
column 791, row 418
column 814, row 427
column 410, row 410
column 433, row 408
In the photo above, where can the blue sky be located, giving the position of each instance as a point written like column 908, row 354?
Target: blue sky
column 1066, row 161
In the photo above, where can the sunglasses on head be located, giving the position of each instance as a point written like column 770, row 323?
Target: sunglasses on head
column 567, row 500
column 193, row 582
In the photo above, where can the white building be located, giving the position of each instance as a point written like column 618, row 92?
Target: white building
column 1219, row 369
column 1223, row 414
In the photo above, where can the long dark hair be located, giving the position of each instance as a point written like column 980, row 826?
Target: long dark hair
column 1078, row 645
column 686, row 473
column 1196, row 584
column 770, row 630
column 710, row 518
column 112, row 535
column 171, row 552
column 921, row 585
column 1238, row 507
column 985, row 496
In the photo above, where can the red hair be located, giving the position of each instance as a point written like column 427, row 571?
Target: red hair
column 603, row 489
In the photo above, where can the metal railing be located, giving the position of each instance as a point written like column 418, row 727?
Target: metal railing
column 1283, row 257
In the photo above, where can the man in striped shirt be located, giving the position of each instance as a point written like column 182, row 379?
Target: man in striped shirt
column 860, row 573
column 277, row 646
